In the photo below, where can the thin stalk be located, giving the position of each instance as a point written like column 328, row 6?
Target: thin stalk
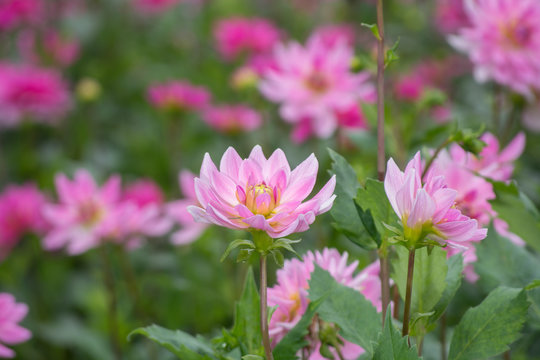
column 507, row 355
column 264, row 311
column 396, row 300
column 435, row 154
column 338, row 350
column 108, row 279
column 443, row 337
column 381, row 158
column 407, row 310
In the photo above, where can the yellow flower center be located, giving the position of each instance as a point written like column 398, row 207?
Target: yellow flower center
column 317, row 82
column 90, row 212
column 260, row 199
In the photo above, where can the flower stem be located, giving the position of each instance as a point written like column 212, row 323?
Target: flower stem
column 407, row 310
column 435, row 154
column 108, row 278
column 443, row 337
column 264, row 311
column 385, row 284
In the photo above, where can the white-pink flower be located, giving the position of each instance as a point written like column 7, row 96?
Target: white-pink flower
column 178, row 211
column 315, row 83
column 260, row 194
column 11, row 333
column 426, row 206
column 503, row 42
column 290, row 293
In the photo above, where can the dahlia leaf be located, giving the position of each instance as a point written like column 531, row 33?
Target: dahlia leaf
column 374, row 29
column 183, row 345
column 295, row 339
column 237, row 243
column 357, row 318
column 392, row 345
column 346, row 218
column 487, row 329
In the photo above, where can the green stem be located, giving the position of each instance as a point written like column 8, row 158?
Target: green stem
column 435, row 154
column 108, row 279
column 443, row 337
column 408, row 294
column 385, row 283
column 264, row 310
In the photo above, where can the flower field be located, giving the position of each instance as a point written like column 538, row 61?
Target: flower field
column 257, row 179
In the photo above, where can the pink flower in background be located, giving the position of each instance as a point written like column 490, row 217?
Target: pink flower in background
column 11, row 333
column 54, row 47
column 152, row 7
column 83, row 217
column 450, row 15
column 236, row 36
column 331, row 35
column 178, row 95
column 426, row 206
column 32, row 93
column 260, row 194
column 142, row 193
column 20, row 213
column 232, row 119
column 503, row 42
column 290, row 294
column 410, row 87
column 178, row 211
column 313, row 84
column 17, row 12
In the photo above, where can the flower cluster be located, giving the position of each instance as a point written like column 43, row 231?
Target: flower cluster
column 11, row 333
column 290, row 294
column 259, row 193
column 503, row 42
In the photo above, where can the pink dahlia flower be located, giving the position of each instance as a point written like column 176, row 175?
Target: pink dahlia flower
column 315, row 83
column 142, row 193
column 82, row 219
column 17, row 12
column 330, row 35
column 235, row 36
column 503, row 42
column 32, row 93
column 178, row 211
column 426, row 207
column 11, row 333
column 260, row 194
column 20, row 213
column 178, row 95
column 232, row 119
column 290, row 294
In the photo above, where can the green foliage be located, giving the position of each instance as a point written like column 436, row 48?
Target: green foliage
column 184, row 346
column 346, row 218
column 374, row 29
column 374, row 209
column 469, row 139
column 247, row 325
column 357, row 317
column 514, row 207
column 295, row 339
column 238, row 243
column 392, row 346
column 429, row 278
column 488, row 329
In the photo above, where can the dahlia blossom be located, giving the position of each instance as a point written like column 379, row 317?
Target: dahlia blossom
column 143, row 192
column 31, row 93
column 260, row 194
column 232, row 119
column 178, row 95
column 503, row 42
column 235, row 36
column 11, row 333
column 82, row 218
column 426, row 207
column 178, row 211
column 17, row 12
column 290, row 294
column 20, row 213
column 314, row 84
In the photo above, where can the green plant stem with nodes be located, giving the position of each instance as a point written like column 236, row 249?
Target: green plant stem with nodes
column 381, row 158
column 408, row 293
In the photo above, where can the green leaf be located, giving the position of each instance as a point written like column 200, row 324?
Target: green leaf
column 236, row 243
column 391, row 55
column 500, row 262
column 247, row 325
column 429, row 278
column 392, row 345
column 518, row 211
column 375, row 210
column 357, row 317
column 252, row 357
column 374, row 29
column 344, row 211
column 453, row 282
column 487, row 329
column 295, row 339
column 183, row 345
